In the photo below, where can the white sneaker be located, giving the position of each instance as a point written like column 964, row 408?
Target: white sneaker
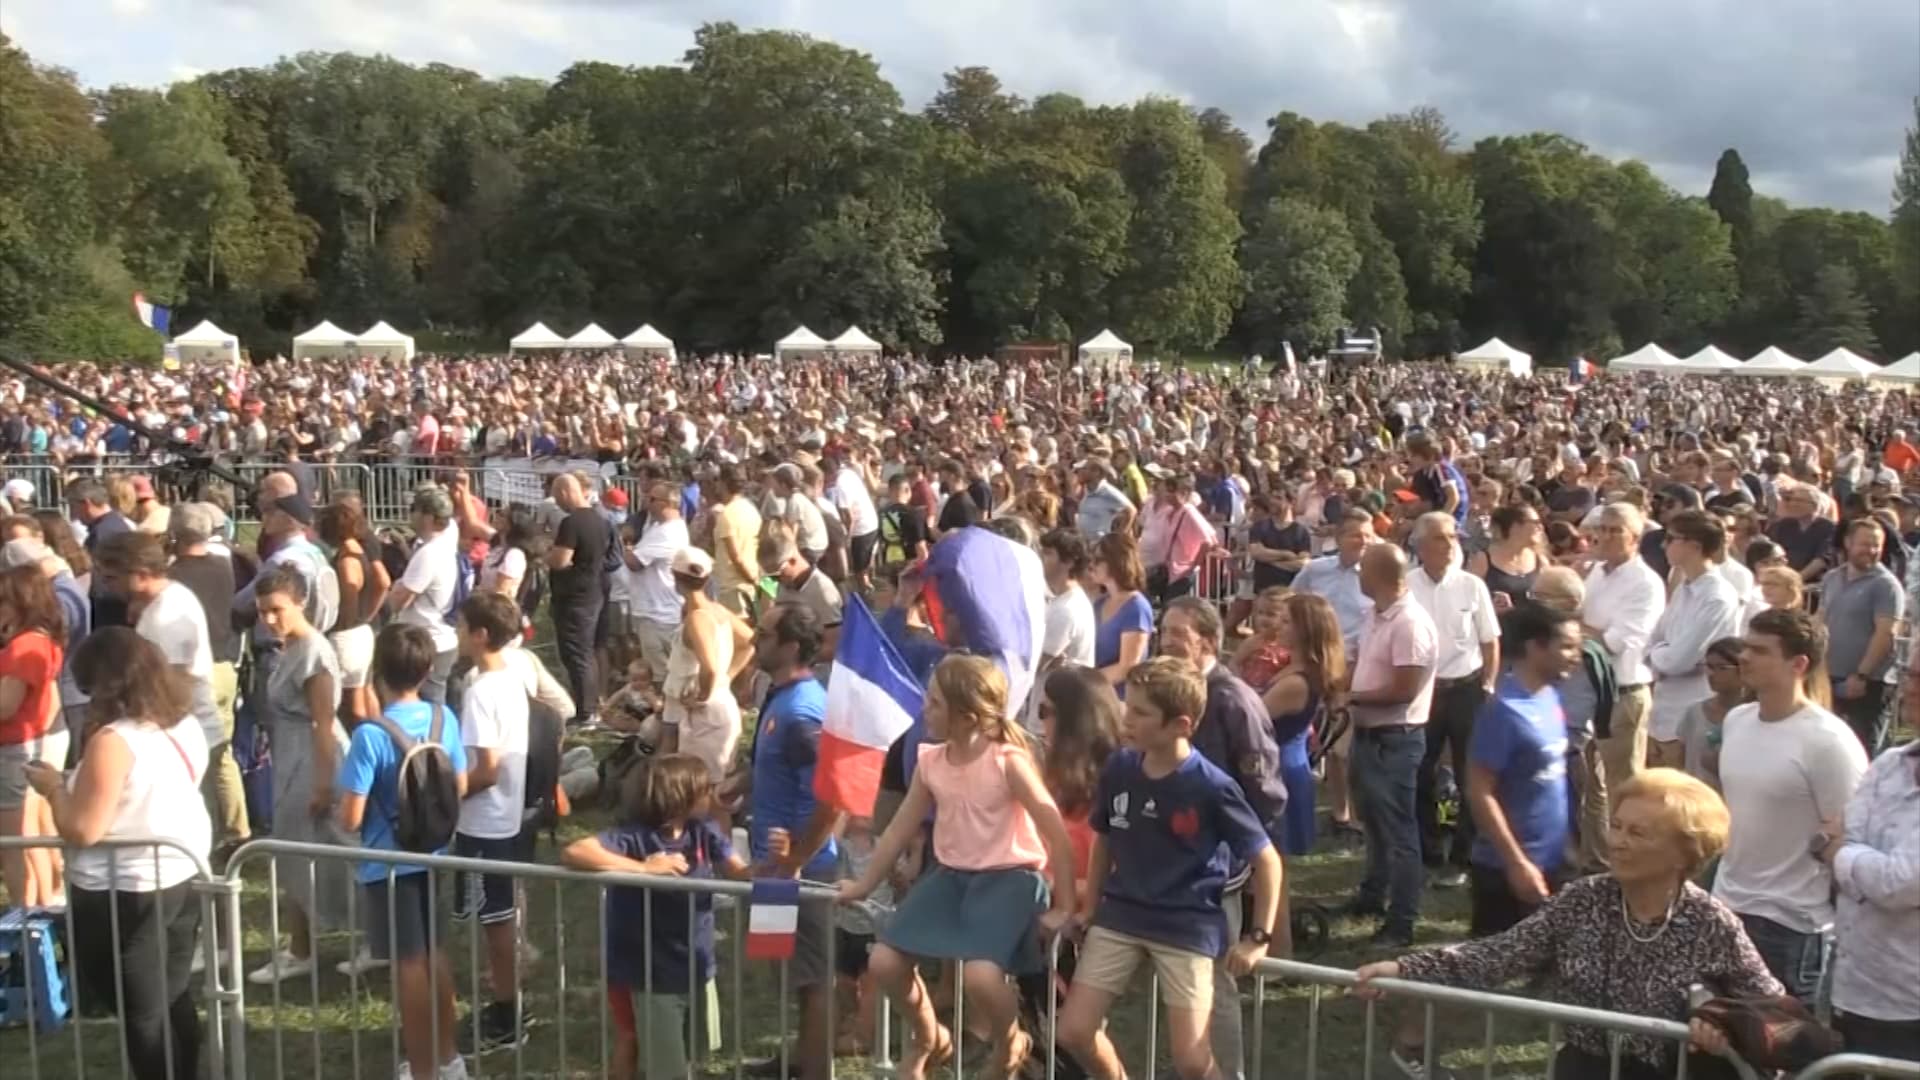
column 282, row 967
column 452, row 1070
column 363, row 961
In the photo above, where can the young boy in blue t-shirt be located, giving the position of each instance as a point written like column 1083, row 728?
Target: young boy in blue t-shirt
column 1167, row 823
column 403, row 925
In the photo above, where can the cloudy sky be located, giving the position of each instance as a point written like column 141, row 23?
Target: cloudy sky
column 1814, row 93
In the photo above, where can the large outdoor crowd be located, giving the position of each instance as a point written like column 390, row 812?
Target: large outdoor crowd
column 1621, row 658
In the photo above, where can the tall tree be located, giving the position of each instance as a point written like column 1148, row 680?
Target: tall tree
column 1903, row 315
column 1179, row 284
column 1833, row 315
column 1731, row 196
column 1299, row 258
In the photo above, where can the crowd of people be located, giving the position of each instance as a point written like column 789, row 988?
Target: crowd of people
column 1618, row 658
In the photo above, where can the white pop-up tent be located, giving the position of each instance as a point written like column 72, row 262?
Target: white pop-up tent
column 1648, row 357
column 385, row 342
column 1772, row 360
column 853, row 341
column 1903, row 370
column 592, row 337
column 207, row 343
column 1708, row 361
column 325, row 339
column 1841, row 363
column 1497, row 355
column 534, row 337
column 647, row 341
column 1106, row 347
column 801, row 342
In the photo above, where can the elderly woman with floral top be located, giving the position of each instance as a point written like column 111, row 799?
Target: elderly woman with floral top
column 1630, row 941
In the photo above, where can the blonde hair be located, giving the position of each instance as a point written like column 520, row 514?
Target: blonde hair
column 1694, row 811
column 974, row 691
column 1784, row 576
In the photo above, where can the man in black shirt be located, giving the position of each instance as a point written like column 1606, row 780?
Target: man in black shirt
column 578, row 586
column 88, row 502
column 903, row 527
column 960, row 509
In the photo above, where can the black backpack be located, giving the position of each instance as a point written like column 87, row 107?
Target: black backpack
column 428, row 787
column 545, row 729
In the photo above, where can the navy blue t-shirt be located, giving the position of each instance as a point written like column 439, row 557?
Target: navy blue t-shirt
column 785, row 752
column 1171, row 841
column 1522, row 737
column 704, row 847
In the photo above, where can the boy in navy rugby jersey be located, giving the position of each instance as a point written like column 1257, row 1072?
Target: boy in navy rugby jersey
column 1169, row 827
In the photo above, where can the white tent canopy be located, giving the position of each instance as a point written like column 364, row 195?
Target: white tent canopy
column 648, row 340
column 384, row 341
column 1106, row 345
column 1906, row 370
column 207, row 342
column 1772, row 360
column 802, row 340
column 325, row 339
column 1841, row 364
column 592, row 337
column 1708, row 361
column 1497, row 354
column 1648, row 357
column 854, row 341
column 536, row 336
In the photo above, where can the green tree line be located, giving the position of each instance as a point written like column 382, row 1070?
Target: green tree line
column 773, row 179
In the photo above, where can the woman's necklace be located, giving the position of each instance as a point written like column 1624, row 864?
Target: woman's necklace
column 1626, row 919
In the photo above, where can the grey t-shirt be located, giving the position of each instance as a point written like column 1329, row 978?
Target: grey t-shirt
column 816, row 591
column 1578, row 701
column 1850, row 602
column 300, row 659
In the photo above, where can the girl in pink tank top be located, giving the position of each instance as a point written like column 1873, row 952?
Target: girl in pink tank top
column 995, row 830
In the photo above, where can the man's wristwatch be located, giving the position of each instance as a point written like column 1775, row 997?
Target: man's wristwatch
column 1257, row 936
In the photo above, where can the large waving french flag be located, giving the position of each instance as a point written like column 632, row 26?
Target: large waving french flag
column 990, row 599
column 872, row 699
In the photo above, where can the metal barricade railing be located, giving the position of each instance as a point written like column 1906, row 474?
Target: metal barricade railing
column 561, row 1054
column 1854, row 1065
column 49, row 490
column 329, row 480
column 1557, row 1016
column 73, row 922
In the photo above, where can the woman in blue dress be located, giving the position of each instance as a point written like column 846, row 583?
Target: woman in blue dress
column 1316, row 671
column 1125, row 616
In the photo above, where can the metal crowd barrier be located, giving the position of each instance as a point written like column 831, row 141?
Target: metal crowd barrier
column 303, row 1028
column 20, row 986
column 1852, row 1065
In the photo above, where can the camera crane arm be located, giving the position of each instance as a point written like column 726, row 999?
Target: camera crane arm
column 193, row 459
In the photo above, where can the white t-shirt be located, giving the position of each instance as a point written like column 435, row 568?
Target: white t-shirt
column 651, row 592
column 509, row 563
column 431, row 576
column 849, row 493
column 1070, row 627
column 175, row 622
column 160, row 799
column 493, row 716
column 1782, row 779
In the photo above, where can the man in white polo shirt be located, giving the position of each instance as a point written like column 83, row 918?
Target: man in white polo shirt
column 1467, row 633
column 1624, row 601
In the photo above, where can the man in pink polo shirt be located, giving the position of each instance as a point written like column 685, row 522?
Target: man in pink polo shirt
column 1392, row 693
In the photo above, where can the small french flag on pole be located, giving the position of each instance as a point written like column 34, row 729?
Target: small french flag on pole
column 773, row 918
column 152, row 316
column 1581, row 369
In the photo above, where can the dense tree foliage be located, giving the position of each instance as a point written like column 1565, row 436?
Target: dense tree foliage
column 772, row 179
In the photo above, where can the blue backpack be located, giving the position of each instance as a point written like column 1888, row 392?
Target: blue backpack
column 465, row 576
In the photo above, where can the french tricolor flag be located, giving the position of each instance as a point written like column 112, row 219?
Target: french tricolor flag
column 152, row 316
column 1581, row 369
column 872, row 699
column 773, row 917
